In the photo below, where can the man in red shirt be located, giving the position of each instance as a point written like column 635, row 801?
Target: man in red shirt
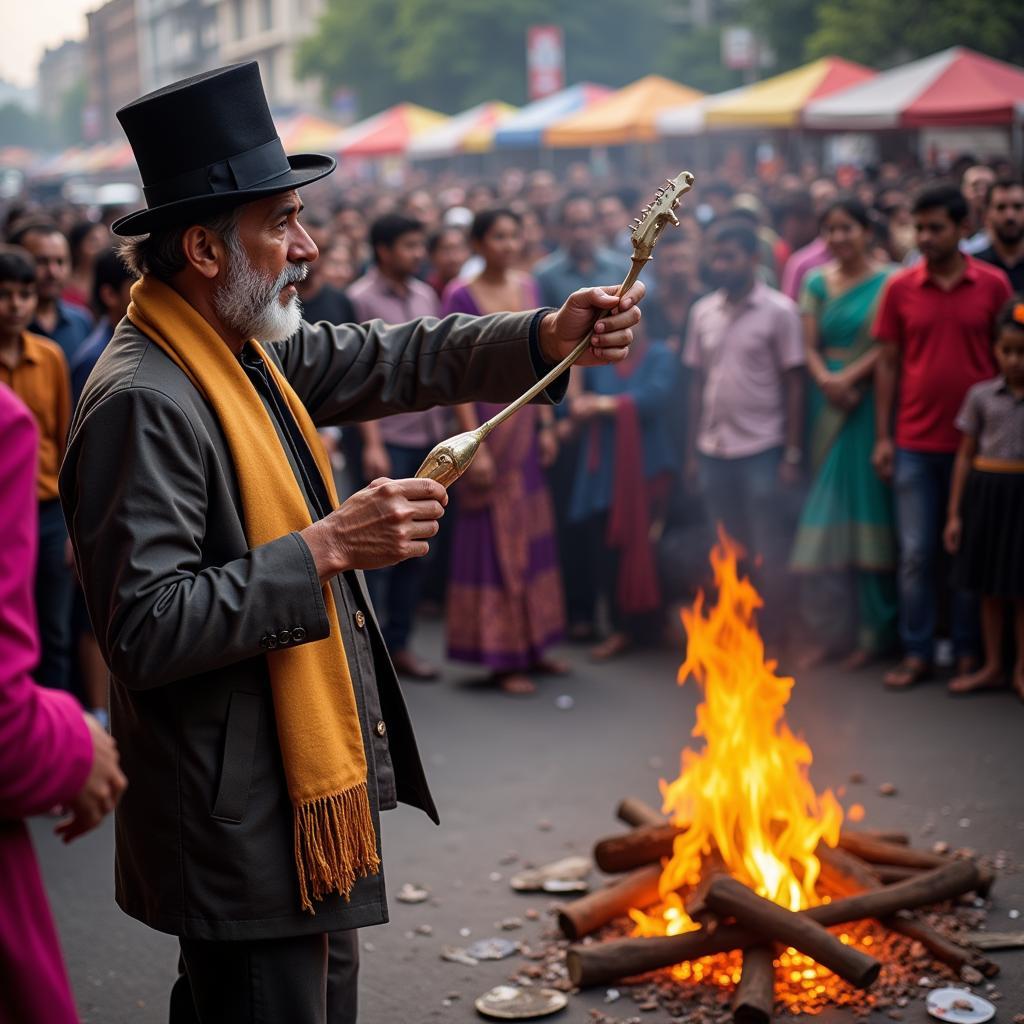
column 935, row 326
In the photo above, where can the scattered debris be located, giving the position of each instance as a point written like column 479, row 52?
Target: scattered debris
column 569, row 869
column 509, row 1002
column 887, row 789
column 996, row 940
column 959, row 1006
column 424, row 929
column 565, row 702
column 509, row 924
column 457, row 955
column 492, row 949
column 857, row 779
column 613, row 995
column 412, row 894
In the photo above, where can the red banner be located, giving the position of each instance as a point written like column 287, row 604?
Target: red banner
column 545, row 60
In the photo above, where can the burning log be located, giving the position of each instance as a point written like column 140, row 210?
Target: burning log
column 755, row 993
column 889, row 873
column 609, row 961
column 729, row 898
column 842, row 873
column 596, row 909
column 646, row 844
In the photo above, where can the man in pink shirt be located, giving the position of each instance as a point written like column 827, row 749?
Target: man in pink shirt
column 745, row 347
column 51, row 754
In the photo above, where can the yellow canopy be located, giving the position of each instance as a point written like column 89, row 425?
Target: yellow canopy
column 779, row 102
column 628, row 115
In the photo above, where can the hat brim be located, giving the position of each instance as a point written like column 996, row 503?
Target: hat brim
column 305, row 169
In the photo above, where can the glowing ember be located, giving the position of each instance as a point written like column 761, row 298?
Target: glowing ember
column 746, row 797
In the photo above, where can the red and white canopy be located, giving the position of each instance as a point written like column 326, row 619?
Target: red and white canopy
column 957, row 87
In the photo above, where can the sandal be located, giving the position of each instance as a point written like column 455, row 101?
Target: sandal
column 908, row 673
column 516, row 684
column 552, row 666
column 976, row 682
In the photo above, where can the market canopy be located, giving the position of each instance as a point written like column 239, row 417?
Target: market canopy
column 387, row 133
column 526, row 127
column 955, row 87
column 472, row 131
column 305, row 133
column 628, row 115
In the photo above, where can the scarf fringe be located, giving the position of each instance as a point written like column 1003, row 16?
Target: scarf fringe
column 335, row 844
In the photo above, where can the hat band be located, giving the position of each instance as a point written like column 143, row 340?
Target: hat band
column 235, row 174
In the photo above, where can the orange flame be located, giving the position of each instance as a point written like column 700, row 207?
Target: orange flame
column 746, row 795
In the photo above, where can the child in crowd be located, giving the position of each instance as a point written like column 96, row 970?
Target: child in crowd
column 986, row 504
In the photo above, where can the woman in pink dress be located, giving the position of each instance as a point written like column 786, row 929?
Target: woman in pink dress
column 51, row 754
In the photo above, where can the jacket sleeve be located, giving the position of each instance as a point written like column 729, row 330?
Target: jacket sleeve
column 354, row 372
column 45, row 749
column 137, row 514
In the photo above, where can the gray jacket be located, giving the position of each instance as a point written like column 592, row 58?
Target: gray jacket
column 185, row 612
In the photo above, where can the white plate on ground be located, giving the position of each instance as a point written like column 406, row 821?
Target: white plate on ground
column 959, row 1006
column 509, row 1002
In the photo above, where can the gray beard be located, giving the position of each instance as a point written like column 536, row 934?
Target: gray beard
column 249, row 302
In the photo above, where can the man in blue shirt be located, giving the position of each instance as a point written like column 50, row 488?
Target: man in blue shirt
column 55, row 319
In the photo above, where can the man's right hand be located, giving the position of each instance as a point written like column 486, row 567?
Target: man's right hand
column 883, row 457
column 385, row 523
column 102, row 789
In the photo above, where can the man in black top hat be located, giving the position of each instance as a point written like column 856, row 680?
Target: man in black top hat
column 195, row 620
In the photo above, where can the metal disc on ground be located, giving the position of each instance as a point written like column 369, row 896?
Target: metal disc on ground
column 959, row 1006
column 507, row 1002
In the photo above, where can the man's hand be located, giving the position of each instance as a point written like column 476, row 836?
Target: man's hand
column 482, row 471
column 385, row 523
column 952, row 534
column 562, row 331
column 102, row 789
column 883, row 457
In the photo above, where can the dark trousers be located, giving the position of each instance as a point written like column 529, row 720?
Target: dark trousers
column 54, row 594
column 395, row 591
column 309, row 979
column 573, row 553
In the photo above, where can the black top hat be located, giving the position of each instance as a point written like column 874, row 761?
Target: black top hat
column 208, row 143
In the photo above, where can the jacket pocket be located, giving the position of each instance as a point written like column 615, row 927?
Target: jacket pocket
column 238, row 757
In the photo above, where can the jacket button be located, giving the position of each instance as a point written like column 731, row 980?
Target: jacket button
column 381, row 728
column 271, row 639
column 360, row 619
column 298, row 634
column 284, row 636
column 264, row 640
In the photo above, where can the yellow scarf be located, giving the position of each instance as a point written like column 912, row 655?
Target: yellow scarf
column 314, row 702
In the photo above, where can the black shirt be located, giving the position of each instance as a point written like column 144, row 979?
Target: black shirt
column 330, row 304
column 1014, row 273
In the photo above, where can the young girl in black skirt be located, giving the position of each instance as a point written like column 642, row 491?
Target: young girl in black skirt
column 985, row 524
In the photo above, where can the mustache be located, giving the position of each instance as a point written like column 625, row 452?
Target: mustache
column 292, row 274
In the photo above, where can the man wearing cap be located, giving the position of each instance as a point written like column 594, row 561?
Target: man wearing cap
column 259, row 718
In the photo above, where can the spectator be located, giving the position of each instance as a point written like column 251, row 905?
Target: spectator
column 322, row 301
column 935, row 326
column 614, row 218
column 397, row 445
column 35, row 369
column 56, row 319
column 986, row 503
column 975, row 184
column 505, row 605
column 815, row 253
column 111, row 294
column 447, row 251
column 1004, row 217
column 422, row 206
column 337, row 265
column 51, row 755
column 746, row 355
column 845, row 544
column 796, row 224
column 86, row 241
column 350, row 222
column 576, row 263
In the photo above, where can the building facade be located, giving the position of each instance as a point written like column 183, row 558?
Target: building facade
column 270, row 31
column 112, row 67
column 62, row 69
column 177, row 39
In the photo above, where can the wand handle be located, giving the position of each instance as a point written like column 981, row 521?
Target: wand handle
column 552, row 375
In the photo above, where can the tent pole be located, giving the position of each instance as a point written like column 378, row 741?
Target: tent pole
column 1017, row 136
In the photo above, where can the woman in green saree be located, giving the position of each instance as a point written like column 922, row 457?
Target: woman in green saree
column 845, row 547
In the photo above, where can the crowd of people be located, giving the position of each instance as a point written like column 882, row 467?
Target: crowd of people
column 831, row 375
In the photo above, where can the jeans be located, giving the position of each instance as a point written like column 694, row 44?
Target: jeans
column 308, row 979
column 921, row 484
column 745, row 496
column 54, row 595
column 396, row 590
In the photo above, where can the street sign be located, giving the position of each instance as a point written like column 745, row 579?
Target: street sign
column 739, row 48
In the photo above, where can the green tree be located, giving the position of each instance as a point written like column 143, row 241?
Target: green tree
column 784, row 25
column 69, row 119
column 20, row 128
column 882, row 33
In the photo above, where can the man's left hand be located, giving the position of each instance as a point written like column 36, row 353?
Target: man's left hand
column 562, row 331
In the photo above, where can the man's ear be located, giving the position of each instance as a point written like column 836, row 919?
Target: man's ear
column 204, row 250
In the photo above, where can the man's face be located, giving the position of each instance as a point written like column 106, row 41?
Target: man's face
column 255, row 287
column 1005, row 214
column 450, row 253
column 53, row 262
column 579, row 229
column 975, row 185
column 938, row 236
column 351, row 224
column 676, row 264
column 613, row 216
column 405, row 256
column 730, row 266
column 17, row 307
column 421, row 206
column 822, row 192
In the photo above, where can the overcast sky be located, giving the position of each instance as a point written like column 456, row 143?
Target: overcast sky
column 32, row 25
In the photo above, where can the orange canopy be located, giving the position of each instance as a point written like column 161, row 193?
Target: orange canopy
column 389, row 132
column 625, row 116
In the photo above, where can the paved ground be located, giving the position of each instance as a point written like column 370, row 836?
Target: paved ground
column 500, row 766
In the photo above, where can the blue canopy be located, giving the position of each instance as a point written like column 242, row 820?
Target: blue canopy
column 526, row 128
